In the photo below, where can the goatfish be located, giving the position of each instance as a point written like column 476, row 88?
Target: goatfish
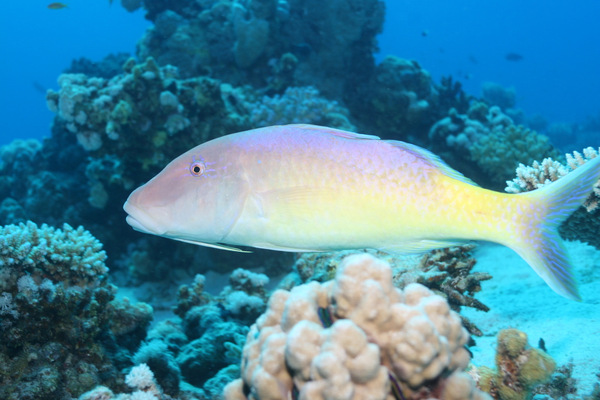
column 306, row 188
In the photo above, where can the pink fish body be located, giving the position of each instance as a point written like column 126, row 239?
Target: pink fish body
column 310, row 188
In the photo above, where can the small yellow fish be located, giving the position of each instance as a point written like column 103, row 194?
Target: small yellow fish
column 56, row 6
column 309, row 188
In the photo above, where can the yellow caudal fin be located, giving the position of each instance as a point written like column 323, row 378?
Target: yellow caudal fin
column 540, row 244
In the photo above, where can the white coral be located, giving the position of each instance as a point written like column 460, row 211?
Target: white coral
column 540, row 174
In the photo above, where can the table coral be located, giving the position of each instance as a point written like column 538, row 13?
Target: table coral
column 355, row 337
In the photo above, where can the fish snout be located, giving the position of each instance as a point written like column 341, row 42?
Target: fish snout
column 142, row 217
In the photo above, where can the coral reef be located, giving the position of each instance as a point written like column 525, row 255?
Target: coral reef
column 487, row 140
column 63, row 331
column 199, row 352
column 106, row 68
column 357, row 337
column 495, row 94
column 16, row 161
column 401, row 101
column 447, row 272
column 519, row 368
column 241, row 42
column 560, row 385
column 540, row 174
column 398, row 100
column 141, row 109
column 584, row 223
column 140, row 378
column 298, row 105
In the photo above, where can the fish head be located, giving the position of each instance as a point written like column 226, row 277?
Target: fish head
column 196, row 198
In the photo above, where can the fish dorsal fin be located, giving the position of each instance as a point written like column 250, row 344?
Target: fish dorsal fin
column 432, row 159
column 332, row 131
column 213, row 245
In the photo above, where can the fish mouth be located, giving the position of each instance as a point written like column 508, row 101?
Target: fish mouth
column 141, row 221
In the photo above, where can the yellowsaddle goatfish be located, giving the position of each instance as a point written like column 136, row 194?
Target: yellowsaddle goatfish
column 307, row 188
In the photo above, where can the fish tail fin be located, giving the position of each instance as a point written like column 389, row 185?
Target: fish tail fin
column 539, row 242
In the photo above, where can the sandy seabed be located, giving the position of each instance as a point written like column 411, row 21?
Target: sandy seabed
column 519, row 298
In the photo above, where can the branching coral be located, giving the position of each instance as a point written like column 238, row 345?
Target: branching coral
column 541, row 174
column 58, row 317
column 447, row 272
column 299, row 105
column 69, row 255
column 581, row 225
column 378, row 337
column 140, row 378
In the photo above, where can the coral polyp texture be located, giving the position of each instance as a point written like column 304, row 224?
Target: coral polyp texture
column 356, row 337
column 446, row 272
column 519, row 368
column 584, row 223
column 241, row 42
column 549, row 170
column 489, row 139
column 400, row 99
column 60, row 324
column 68, row 255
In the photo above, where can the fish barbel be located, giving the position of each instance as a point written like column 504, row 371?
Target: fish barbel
column 307, row 188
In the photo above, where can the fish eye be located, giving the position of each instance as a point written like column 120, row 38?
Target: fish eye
column 197, row 168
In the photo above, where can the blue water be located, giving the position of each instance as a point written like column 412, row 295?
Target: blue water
column 468, row 39
column 558, row 76
column 37, row 44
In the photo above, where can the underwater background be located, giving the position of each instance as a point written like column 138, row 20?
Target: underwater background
column 98, row 97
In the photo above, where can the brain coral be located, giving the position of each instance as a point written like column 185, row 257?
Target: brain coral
column 357, row 337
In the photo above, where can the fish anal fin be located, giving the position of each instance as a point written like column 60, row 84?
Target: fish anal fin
column 420, row 246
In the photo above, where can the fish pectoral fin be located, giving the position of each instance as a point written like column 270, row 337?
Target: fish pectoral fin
column 271, row 246
column 420, row 246
column 214, row 245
